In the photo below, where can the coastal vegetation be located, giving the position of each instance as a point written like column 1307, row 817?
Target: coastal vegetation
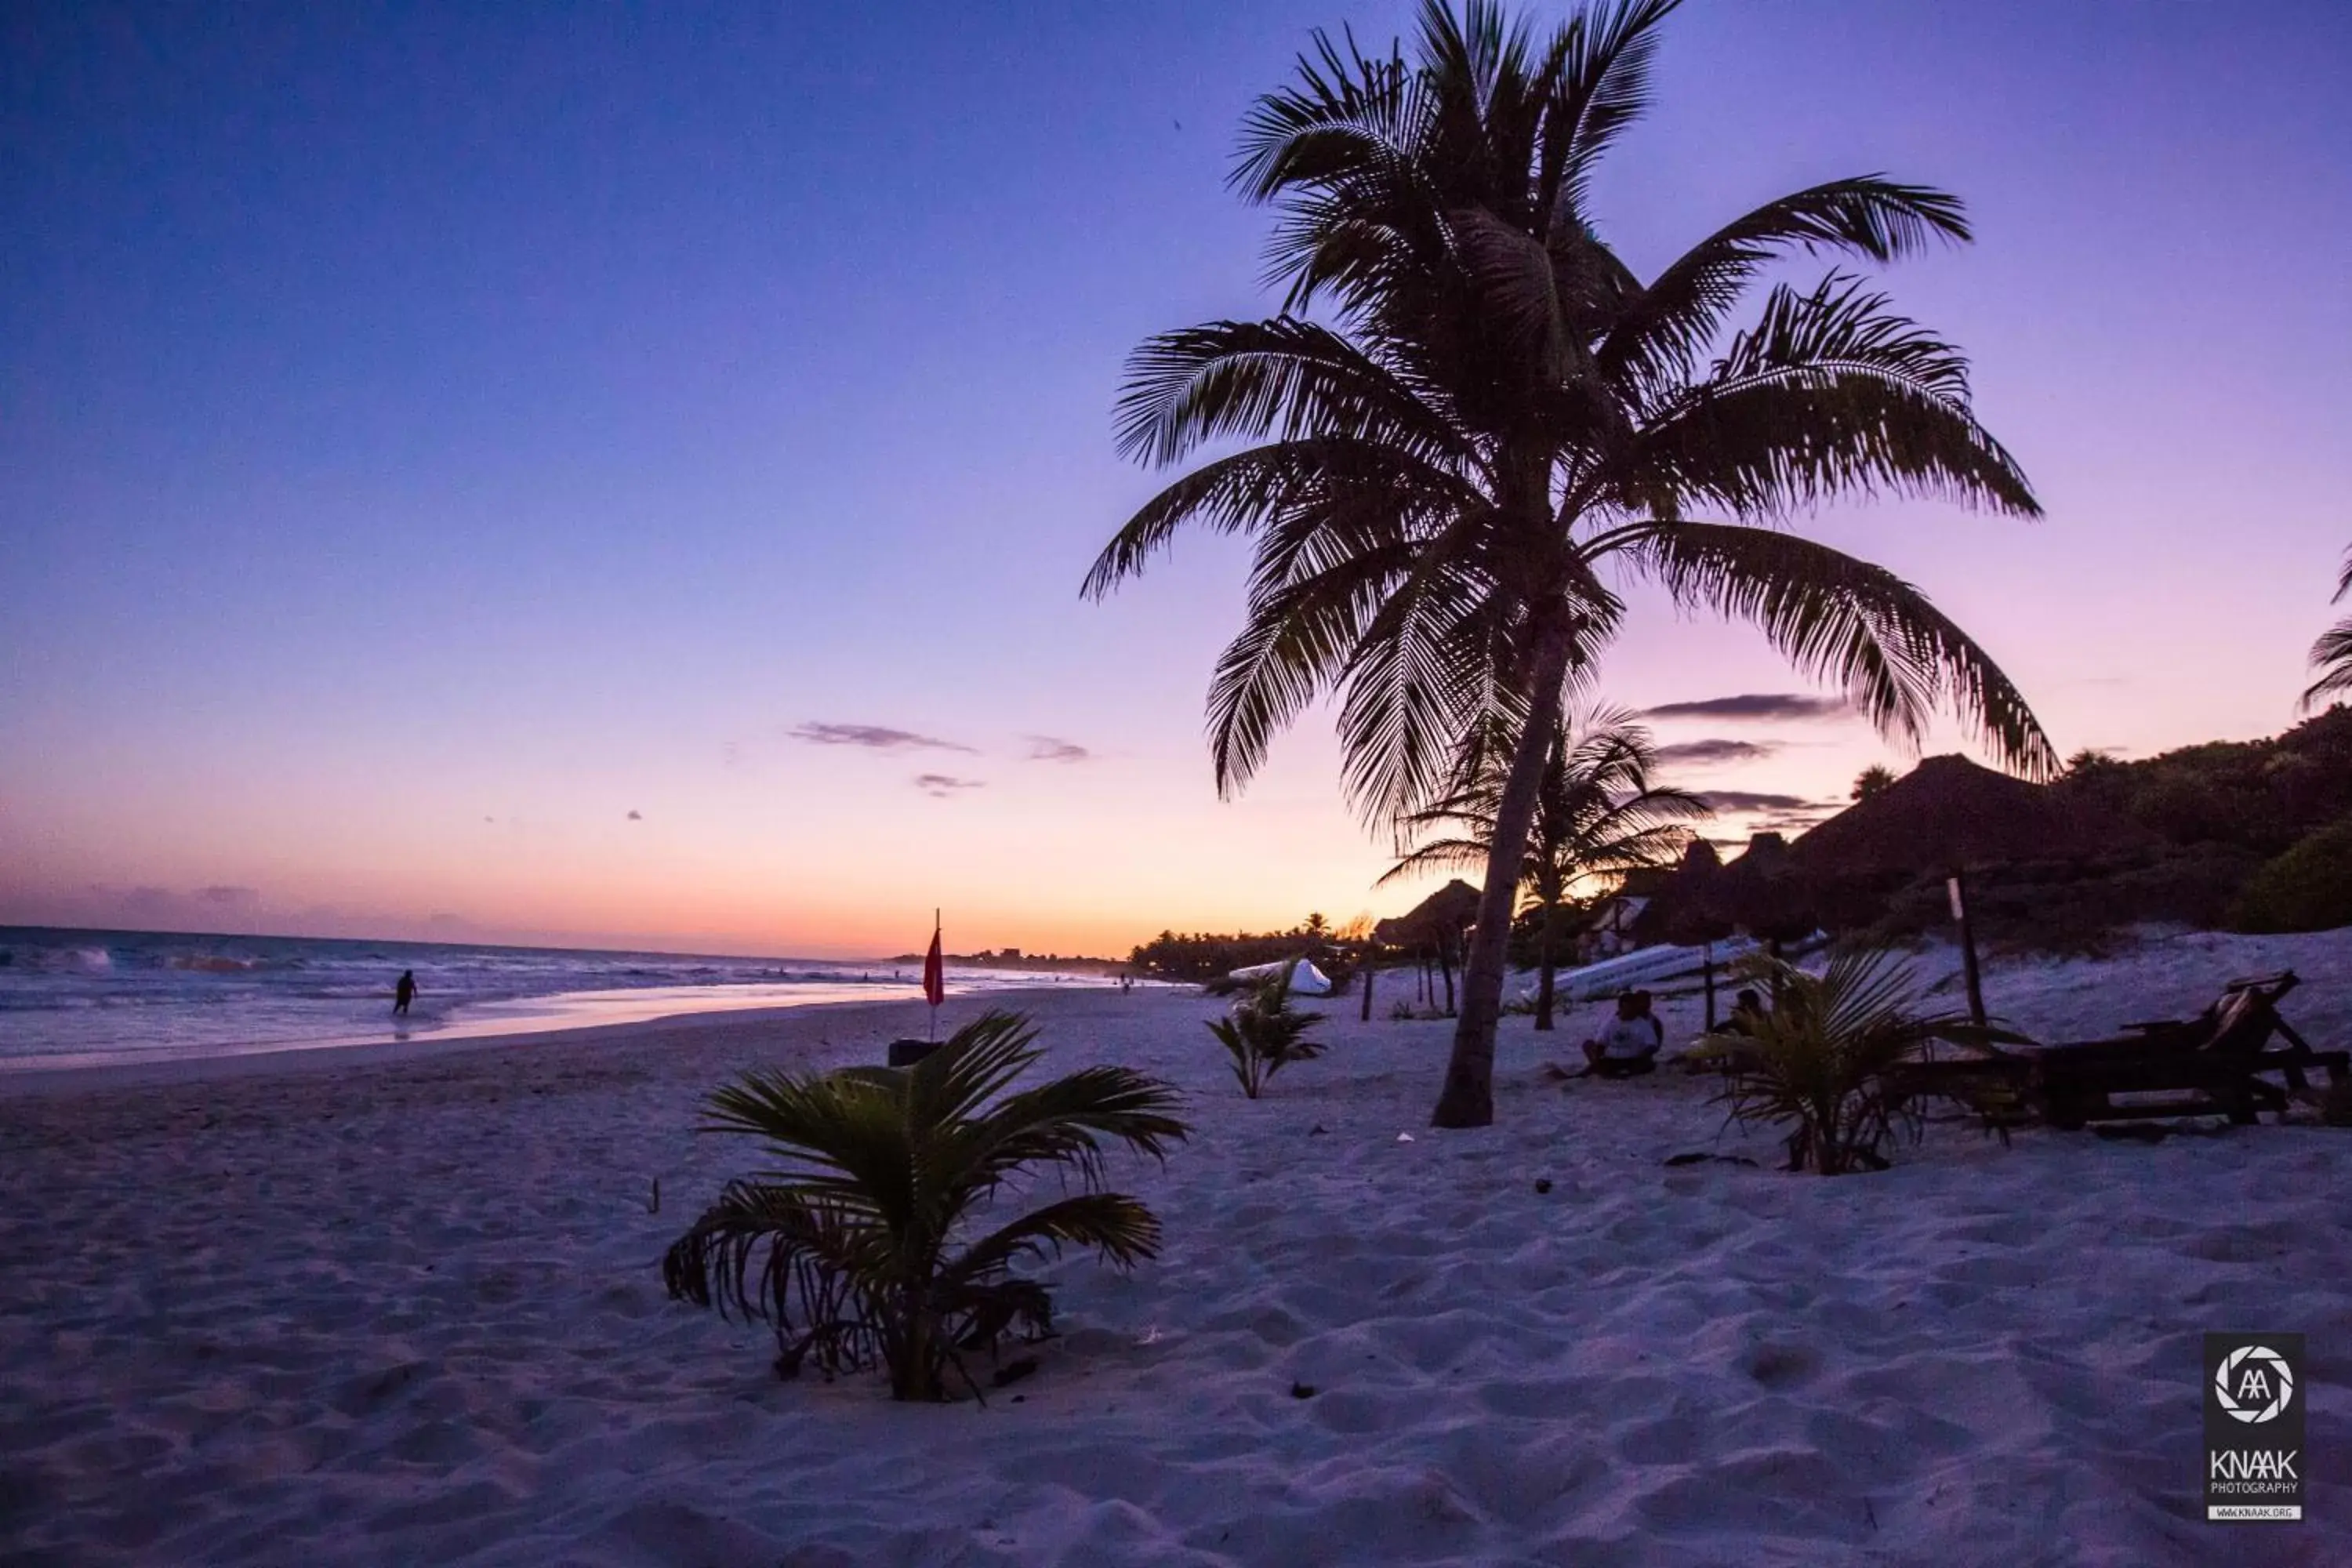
column 1264, row 1033
column 2306, row 888
column 1202, row 956
column 863, row 1243
column 1472, row 422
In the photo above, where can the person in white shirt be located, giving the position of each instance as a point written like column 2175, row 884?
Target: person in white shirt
column 1629, row 1046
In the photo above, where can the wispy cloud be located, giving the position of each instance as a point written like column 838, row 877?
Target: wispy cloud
column 1796, row 822
column 1750, row 800
column 873, row 737
column 228, row 896
column 1051, row 749
column 636, row 816
column 939, row 786
column 1718, row 750
column 1753, row 705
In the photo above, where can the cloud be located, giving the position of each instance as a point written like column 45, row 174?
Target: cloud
column 1748, row 800
column 228, row 896
column 939, row 786
column 1796, row 823
column 1753, row 705
column 636, row 816
column 873, row 737
column 1048, row 749
column 1716, row 750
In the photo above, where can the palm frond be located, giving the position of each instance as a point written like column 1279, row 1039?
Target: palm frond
column 850, row 1251
column 2332, row 656
column 1829, row 394
column 1122, row 1230
column 1247, row 380
column 1657, row 342
column 1604, row 58
column 1846, row 621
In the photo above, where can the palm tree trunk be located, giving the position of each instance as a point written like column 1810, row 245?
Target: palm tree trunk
column 1468, row 1097
column 1446, row 968
column 1549, row 961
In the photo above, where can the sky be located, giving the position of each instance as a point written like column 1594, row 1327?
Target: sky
column 622, row 476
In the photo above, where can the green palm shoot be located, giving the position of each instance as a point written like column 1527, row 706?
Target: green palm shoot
column 870, row 1241
column 1818, row 1063
column 1264, row 1033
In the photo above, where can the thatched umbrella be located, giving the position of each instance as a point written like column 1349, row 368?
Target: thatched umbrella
column 1949, row 816
column 1766, row 893
column 1686, row 910
column 1435, row 923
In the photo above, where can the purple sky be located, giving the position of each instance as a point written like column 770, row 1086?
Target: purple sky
column 505, row 474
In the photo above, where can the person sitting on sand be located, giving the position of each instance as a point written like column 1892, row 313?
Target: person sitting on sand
column 1746, row 1014
column 405, row 993
column 1629, row 1046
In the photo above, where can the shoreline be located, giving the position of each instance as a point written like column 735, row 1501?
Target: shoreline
column 291, row 1060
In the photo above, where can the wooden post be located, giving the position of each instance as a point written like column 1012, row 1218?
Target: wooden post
column 1707, row 963
column 1445, row 967
column 1958, row 886
column 1368, row 972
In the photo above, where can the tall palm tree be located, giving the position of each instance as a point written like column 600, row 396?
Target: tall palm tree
column 2331, row 656
column 1492, row 419
column 1597, row 816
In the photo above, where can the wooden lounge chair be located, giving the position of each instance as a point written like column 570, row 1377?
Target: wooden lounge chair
column 2213, row 1065
column 1996, row 1087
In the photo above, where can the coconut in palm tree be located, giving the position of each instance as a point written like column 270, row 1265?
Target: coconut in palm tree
column 1472, row 424
column 873, row 1236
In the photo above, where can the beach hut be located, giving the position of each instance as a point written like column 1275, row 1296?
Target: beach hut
column 1948, row 817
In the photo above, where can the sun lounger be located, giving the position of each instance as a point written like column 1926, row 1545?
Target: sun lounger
column 1997, row 1088
column 2217, row 1064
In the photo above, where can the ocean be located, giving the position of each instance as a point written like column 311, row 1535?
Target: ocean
column 91, row 998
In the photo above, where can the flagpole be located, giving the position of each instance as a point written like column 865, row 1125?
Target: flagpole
column 943, row 973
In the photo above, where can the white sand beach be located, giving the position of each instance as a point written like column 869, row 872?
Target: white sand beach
column 385, row 1311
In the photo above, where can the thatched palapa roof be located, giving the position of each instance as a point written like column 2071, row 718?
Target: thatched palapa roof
column 1947, row 814
column 1445, row 913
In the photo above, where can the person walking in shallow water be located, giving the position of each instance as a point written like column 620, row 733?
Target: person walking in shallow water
column 405, row 993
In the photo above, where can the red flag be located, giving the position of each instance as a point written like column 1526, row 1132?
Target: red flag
column 935, row 970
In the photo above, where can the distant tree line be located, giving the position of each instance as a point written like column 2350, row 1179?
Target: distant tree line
column 1202, row 955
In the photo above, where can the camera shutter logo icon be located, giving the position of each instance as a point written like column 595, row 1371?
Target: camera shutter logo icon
column 2253, row 1384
